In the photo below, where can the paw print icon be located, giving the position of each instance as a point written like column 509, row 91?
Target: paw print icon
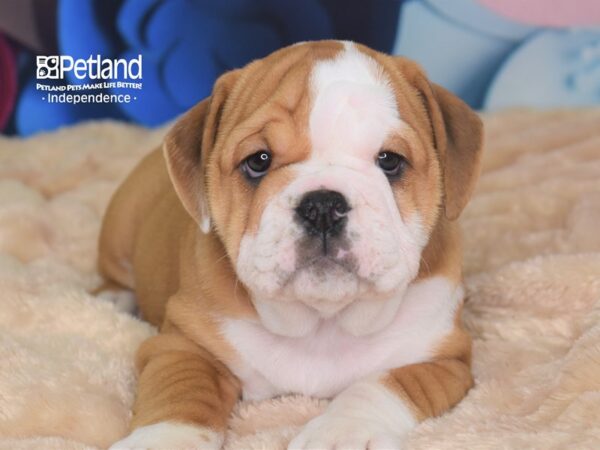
column 47, row 68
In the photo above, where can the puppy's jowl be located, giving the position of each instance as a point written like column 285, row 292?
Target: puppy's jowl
column 297, row 234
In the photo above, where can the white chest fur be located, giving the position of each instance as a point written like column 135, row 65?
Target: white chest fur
column 328, row 360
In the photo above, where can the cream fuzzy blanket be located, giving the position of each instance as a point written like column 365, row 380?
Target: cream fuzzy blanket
column 532, row 260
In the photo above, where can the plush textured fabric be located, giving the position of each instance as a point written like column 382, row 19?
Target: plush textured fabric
column 532, row 267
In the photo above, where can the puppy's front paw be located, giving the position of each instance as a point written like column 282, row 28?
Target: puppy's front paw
column 170, row 436
column 364, row 416
column 331, row 431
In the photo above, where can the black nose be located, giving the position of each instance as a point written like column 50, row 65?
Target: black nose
column 323, row 212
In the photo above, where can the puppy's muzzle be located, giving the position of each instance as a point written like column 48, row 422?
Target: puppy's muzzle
column 323, row 214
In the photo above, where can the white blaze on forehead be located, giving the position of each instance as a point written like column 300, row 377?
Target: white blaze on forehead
column 354, row 107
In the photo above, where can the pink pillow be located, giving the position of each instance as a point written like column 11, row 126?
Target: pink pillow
column 8, row 81
column 548, row 13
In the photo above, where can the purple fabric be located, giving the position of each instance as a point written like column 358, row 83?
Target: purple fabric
column 8, row 81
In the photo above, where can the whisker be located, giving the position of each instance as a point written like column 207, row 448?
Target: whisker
column 426, row 265
column 235, row 287
column 221, row 258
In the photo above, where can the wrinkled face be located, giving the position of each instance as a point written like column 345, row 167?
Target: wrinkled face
column 330, row 194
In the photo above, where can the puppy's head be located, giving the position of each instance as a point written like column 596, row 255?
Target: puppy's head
column 324, row 169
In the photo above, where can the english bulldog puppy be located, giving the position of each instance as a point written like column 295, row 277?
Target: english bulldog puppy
column 297, row 234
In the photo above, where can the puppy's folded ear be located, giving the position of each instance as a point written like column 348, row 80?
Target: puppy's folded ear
column 187, row 146
column 458, row 138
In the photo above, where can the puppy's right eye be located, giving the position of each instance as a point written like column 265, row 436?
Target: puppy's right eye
column 256, row 166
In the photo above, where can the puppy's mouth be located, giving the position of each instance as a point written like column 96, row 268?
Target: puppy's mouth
column 321, row 286
column 327, row 263
column 325, row 252
column 323, row 262
column 325, row 281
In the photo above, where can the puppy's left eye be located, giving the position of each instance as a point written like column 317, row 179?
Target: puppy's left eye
column 256, row 166
column 391, row 163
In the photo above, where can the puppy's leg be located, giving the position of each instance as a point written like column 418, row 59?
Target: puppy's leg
column 184, row 397
column 377, row 414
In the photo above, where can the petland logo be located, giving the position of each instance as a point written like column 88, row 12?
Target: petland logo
column 95, row 74
column 94, row 68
